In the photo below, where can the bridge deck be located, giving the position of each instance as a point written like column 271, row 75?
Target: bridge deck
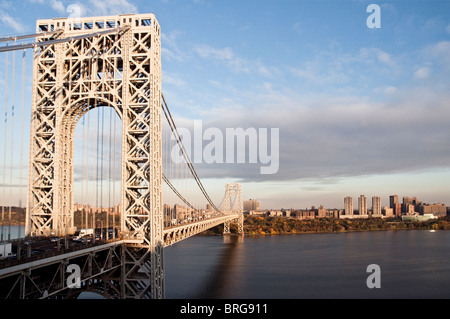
column 45, row 252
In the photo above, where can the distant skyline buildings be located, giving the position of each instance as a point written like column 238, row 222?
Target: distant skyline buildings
column 409, row 206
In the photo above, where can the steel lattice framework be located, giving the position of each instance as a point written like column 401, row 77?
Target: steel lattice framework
column 234, row 206
column 119, row 69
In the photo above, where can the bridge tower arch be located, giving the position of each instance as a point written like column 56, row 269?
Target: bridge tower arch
column 119, row 69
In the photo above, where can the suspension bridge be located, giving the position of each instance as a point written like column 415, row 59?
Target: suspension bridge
column 101, row 142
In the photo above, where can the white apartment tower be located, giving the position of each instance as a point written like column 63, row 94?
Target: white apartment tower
column 348, row 204
column 376, row 205
column 362, row 205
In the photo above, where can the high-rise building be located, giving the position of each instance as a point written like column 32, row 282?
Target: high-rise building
column 388, row 212
column 405, row 205
column 398, row 210
column 376, row 205
column 348, row 205
column 251, row 204
column 362, row 205
column 438, row 209
column 393, row 199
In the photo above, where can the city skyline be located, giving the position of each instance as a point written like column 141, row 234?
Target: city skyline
column 360, row 110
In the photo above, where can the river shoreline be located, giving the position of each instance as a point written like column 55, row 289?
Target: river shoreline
column 267, row 226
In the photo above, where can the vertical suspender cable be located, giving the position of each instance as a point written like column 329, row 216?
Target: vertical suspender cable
column 83, row 123
column 4, row 147
column 109, row 175
column 96, row 168
column 12, row 142
column 114, row 178
column 22, row 120
column 87, row 172
column 101, row 173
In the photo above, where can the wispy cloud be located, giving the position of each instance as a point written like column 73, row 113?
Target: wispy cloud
column 223, row 55
column 233, row 61
column 110, row 7
column 439, row 52
column 170, row 49
column 422, row 73
column 91, row 7
column 12, row 23
column 56, row 5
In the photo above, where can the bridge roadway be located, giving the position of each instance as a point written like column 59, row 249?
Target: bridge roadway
column 41, row 270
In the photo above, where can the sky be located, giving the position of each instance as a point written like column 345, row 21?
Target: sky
column 359, row 110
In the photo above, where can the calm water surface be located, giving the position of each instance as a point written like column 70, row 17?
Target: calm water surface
column 414, row 264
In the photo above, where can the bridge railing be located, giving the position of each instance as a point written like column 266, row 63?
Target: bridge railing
column 47, row 254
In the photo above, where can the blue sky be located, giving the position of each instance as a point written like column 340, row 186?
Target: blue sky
column 360, row 111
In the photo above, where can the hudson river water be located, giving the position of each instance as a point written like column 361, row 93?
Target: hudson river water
column 413, row 264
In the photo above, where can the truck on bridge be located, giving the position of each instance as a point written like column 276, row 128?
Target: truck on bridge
column 6, row 250
column 84, row 233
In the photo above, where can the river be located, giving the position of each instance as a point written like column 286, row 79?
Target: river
column 413, row 264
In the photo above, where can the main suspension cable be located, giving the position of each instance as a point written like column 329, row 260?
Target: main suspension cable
column 183, row 151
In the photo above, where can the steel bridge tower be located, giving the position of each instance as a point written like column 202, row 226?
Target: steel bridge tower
column 233, row 204
column 119, row 69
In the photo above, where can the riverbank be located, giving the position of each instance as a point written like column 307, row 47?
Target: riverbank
column 258, row 225
column 265, row 225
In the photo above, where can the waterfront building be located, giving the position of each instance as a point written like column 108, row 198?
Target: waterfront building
column 348, row 205
column 387, row 212
column 438, row 210
column 393, row 200
column 251, row 204
column 398, row 210
column 362, row 205
column 376, row 206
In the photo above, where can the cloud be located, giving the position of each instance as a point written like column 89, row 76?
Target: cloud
column 339, row 136
column 173, row 79
column 58, row 6
column 231, row 60
column 440, row 52
column 92, row 7
column 366, row 116
column 110, row 7
column 341, row 68
column 12, row 23
column 225, row 55
column 422, row 73
column 390, row 90
column 371, row 54
column 169, row 47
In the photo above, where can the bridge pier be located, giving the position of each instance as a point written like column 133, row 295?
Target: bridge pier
column 240, row 223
